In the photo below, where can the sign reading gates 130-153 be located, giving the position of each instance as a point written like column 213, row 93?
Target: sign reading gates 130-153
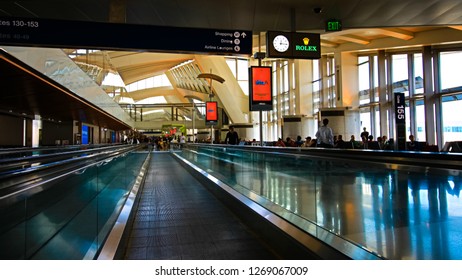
column 101, row 35
column 293, row 45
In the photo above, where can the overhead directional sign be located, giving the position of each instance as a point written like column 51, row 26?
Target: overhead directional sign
column 99, row 35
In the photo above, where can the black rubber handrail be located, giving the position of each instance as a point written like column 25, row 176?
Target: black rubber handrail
column 420, row 161
column 7, row 164
column 4, row 152
column 18, row 184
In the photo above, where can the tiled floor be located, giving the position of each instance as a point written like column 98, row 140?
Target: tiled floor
column 177, row 218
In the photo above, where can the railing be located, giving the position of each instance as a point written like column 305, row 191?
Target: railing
column 338, row 196
column 64, row 208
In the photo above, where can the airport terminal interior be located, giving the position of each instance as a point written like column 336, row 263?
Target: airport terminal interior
column 117, row 118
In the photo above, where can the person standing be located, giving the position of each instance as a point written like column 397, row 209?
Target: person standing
column 232, row 137
column 182, row 141
column 324, row 136
column 364, row 135
column 413, row 145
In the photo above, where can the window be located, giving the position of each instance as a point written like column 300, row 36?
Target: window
column 331, row 95
column 449, row 75
column 420, row 120
column 451, row 121
column 418, row 73
column 151, row 82
column 364, row 80
column 316, row 87
column 399, row 71
column 240, row 69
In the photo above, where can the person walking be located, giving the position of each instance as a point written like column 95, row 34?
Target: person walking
column 324, row 136
column 232, row 137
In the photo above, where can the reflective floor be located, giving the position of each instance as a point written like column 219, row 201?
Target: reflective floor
column 396, row 214
column 177, row 218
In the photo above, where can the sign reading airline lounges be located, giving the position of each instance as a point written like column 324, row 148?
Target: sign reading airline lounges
column 99, row 35
column 293, row 45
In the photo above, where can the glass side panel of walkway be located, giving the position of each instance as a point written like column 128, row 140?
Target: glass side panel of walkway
column 395, row 214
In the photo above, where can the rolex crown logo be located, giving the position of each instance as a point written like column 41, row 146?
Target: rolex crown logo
column 306, row 41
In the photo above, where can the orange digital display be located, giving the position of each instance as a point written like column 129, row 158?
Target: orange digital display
column 261, row 96
column 261, row 83
column 211, row 112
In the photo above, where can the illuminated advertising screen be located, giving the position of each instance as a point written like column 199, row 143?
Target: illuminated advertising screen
column 293, row 45
column 260, row 88
column 84, row 134
column 211, row 113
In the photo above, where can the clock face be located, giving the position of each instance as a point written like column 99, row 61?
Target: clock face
column 281, row 43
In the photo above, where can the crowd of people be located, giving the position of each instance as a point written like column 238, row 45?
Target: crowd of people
column 326, row 139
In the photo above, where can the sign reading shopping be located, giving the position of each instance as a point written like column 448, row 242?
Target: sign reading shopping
column 293, row 45
column 100, row 35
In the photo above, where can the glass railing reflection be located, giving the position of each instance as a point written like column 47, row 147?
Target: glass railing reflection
column 397, row 214
column 70, row 218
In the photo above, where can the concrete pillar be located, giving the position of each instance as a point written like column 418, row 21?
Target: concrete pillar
column 432, row 104
column 348, row 85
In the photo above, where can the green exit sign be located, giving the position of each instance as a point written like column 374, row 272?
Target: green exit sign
column 333, row 25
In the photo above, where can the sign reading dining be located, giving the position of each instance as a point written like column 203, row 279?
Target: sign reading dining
column 100, row 35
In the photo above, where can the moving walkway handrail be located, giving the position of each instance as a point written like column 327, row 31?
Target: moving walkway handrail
column 22, row 150
column 17, row 184
column 18, row 162
column 426, row 161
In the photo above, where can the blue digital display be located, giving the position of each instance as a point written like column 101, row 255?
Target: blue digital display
column 84, row 134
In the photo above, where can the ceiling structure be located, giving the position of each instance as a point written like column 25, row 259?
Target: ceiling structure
column 254, row 15
column 363, row 22
column 27, row 92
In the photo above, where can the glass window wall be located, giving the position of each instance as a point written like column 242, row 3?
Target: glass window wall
column 364, row 80
column 451, row 122
column 449, row 76
column 400, row 73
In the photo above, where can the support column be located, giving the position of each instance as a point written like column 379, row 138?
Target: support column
column 431, row 102
column 348, row 85
column 324, row 89
column 411, row 89
column 384, row 104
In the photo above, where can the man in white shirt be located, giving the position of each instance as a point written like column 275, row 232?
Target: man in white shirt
column 182, row 140
column 324, row 136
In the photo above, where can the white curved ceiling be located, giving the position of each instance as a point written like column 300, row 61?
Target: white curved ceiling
column 364, row 22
